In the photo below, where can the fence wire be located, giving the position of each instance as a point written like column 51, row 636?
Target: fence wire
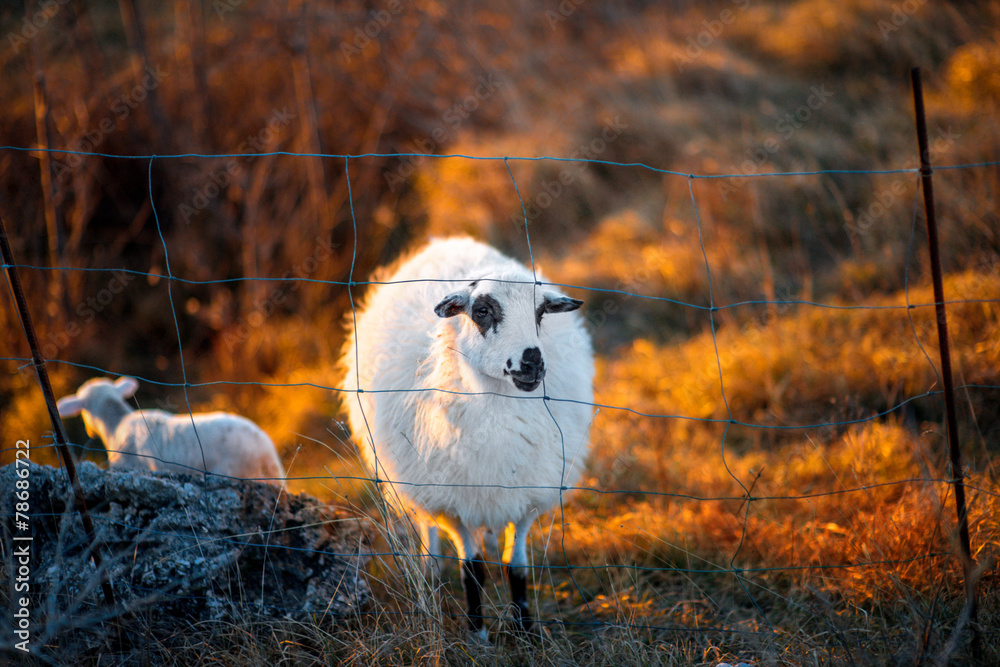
column 742, row 575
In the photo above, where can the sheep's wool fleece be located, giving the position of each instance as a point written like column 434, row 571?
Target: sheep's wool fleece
column 227, row 444
column 448, row 437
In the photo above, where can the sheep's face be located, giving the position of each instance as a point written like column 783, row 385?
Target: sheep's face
column 91, row 396
column 500, row 331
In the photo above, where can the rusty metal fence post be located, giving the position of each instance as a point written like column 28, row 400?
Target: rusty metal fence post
column 954, row 451
column 50, row 402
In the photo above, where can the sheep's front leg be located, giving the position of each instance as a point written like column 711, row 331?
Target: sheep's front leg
column 515, row 554
column 473, row 572
column 431, row 545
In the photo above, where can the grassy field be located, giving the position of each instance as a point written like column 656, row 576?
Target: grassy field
column 768, row 478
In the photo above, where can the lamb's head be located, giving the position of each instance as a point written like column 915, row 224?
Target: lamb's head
column 501, row 325
column 93, row 399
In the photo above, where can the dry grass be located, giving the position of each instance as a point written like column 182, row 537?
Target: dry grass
column 844, row 555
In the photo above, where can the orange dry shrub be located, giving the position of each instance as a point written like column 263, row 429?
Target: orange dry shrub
column 973, row 75
column 812, row 26
column 640, row 272
column 809, row 367
column 25, row 416
column 282, row 370
column 868, row 493
column 823, row 514
column 820, row 35
column 665, row 261
column 475, row 197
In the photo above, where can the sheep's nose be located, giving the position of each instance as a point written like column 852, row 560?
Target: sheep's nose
column 531, row 360
column 531, row 371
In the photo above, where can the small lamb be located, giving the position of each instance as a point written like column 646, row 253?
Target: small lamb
column 474, row 400
column 161, row 441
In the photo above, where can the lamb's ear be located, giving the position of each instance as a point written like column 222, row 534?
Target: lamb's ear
column 126, row 386
column 554, row 303
column 69, row 406
column 453, row 304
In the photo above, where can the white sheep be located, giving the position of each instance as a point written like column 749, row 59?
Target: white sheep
column 218, row 442
column 455, row 360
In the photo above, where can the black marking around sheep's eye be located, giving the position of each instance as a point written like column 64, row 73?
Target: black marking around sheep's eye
column 486, row 313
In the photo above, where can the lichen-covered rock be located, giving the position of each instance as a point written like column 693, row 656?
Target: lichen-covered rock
column 180, row 549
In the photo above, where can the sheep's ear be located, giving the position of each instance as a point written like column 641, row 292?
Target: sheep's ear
column 69, row 406
column 453, row 304
column 126, row 386
column 555, row 303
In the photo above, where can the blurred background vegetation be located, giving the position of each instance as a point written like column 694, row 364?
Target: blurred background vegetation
column 714, row 88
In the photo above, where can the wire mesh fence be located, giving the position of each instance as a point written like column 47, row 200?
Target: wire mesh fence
column 731, row 415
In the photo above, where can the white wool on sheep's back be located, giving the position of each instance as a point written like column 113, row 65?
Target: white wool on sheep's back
column 217, row 442
column 451, row 438
column 220, row 442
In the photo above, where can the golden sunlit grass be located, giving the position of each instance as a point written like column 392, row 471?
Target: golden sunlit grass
column 855, row 517
column 815, row 527
column 973, row 73
column 663, row 262
column 815, row 366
